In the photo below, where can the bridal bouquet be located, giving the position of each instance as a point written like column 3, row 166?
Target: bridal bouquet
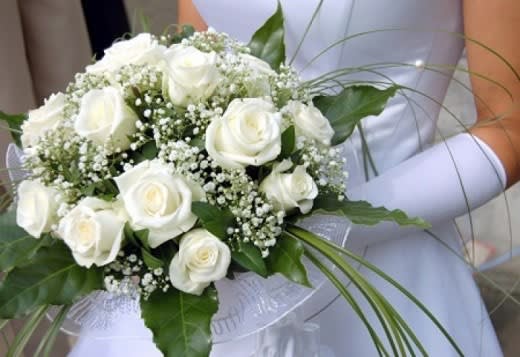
column 172, row 163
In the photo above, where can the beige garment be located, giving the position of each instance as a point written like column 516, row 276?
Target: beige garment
column 43, row 43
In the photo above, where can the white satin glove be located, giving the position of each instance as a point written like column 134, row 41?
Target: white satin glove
column 439, row 184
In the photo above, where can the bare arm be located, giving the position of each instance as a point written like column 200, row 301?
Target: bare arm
column 496, row 24
column 188, row 14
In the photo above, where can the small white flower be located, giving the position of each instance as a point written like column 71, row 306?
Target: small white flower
column 142, row 49
column 93, row 230
column 201, row 260
column 290, row 190
column 104, row 116
column 248, row 133
column 159, row 201
column 38, row 206
column 310, row 122
column 40, row 120
column 189, row 74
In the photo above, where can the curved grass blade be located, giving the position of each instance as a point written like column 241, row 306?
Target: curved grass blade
column 23, row 336
column 302, row 233
column 350, row 299
column 47, row 342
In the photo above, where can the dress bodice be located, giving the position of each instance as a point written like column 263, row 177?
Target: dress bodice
column 414, row 34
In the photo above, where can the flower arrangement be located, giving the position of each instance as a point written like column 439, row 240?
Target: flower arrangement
column 172, row 163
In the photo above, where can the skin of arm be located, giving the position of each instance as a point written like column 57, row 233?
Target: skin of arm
column 496, row 24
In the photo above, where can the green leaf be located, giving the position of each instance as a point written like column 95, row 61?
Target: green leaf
column 16, row 246
column 105, row 189
column 285, row 258
column 151, row 261
column 180, row 322
column 267, row 42
column 129, row 235
column 250, row 258
column 51, row 277
column 362, row 212
column 15, row 122
column 149, row 150
column 288, row 143
column 142, row 236
column 215, row 220
column 354, row 103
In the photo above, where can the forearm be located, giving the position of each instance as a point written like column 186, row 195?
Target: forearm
column 439, row 184
column 496, row 24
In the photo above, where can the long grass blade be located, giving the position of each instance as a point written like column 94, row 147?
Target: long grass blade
column 23, row 336
column 47, row 342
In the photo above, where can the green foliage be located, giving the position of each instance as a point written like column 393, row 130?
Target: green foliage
column 50, row 277
column 15, row 122
column 180, row 322
column 105, row 189
column 16, row 246
column 285, row 258
column 185, row 32
column 267, row 42
column 362, row 212
column 288, row 143
column 250, row 258
column 213, row 219
column 354, row 103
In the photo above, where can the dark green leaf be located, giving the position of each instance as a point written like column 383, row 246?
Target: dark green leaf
column 288, row 142
column 149, row 150
column 180, row 322
column 129, row 235
column 267, row 42
column 213, row 219
column 285, row 258
column 250, row 258
column 362, row 212
column 354, row 103
column 51, row 277
column 142, row 236
column 105, row 189
column 16, row 246
column 15, row 123
column 151, row 261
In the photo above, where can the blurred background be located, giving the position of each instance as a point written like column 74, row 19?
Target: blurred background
column 44, row 42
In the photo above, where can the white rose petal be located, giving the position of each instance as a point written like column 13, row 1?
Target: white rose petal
column 201, row 260
column 309, row 121
column 248, row 133
column 104, row 116
column 189, row 75
column 93, row 230
column 142, row 49
column 290, row 190
column 158, row 201
column 257, row 84
column 42, row 119
column 37, row 207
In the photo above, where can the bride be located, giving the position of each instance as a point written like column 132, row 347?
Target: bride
column 437, row 183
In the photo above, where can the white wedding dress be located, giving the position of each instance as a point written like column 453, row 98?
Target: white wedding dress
column 427, row 268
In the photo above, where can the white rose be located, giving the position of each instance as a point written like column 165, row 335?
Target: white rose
column 189, row 75
column 256, row 64
column 257, row 82
column 42, row 119
column 202, row 259
column 309, row 121
column 290, row 190
column 248, row 133
column 93, row 230
column 104, row 116
column 142, row 49
column 158, row 201
column 37, row 207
